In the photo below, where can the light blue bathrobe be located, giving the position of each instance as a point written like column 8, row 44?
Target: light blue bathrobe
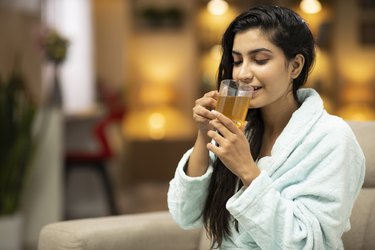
column 304, row 195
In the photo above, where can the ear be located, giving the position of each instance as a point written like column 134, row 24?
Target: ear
column 297, row 65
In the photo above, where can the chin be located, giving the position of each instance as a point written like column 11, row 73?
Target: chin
column 253, row 104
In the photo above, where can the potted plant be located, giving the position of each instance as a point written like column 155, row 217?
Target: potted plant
column 17, row 146
column 54, row 47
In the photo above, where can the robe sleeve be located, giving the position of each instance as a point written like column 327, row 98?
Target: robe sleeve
column 187, row 195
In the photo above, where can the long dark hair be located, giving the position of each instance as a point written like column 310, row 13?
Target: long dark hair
column 288, row 31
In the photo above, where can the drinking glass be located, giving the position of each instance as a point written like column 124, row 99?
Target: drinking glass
column 234, row 100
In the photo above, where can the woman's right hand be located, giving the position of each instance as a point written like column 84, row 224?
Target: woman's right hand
column 202, row 111
column 199, row 158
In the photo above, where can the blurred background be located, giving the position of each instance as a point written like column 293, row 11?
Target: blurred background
column 96, row 96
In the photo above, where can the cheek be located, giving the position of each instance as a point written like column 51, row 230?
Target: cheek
column 235, row 73
column 267, row 75
column 273, row 74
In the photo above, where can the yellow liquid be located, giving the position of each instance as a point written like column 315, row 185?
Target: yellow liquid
column 234, row 107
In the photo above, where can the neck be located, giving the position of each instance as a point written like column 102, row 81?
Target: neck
column 277, row 116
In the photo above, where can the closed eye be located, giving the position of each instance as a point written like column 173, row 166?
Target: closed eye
column 261, row 61
column 237, row 63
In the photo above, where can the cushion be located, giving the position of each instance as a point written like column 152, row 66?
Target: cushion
column 204, row 242
column 362, row 222
column 156, row 231
column 365, row 133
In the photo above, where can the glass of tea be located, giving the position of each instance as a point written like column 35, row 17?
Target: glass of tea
column 234, row 100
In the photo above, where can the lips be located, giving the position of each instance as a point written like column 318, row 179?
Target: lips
column 256, row 91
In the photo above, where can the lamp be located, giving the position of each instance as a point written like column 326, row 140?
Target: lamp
column 310, row 6
column 217, row 7
column 160, row 122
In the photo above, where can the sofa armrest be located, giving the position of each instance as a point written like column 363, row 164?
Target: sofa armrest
column 362, row 219
column 145, row 231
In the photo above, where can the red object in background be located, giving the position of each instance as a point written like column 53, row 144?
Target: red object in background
column 87, row 144
column 97, row 128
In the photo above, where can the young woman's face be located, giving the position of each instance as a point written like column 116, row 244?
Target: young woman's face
column 263, row 65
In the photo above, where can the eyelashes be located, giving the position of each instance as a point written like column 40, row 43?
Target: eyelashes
column 257, row 61
column 261, row 61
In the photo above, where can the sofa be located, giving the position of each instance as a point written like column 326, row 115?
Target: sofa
column 157, row 230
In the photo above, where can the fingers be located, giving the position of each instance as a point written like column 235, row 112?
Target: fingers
column 209, row 100
column 223, row 124
column 214, row 94
column 213, row 148
column 201, row 113
column 203, row 106
column 224, row 130
column 216, row 136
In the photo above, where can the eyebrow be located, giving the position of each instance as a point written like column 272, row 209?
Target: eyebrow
column 251, row 52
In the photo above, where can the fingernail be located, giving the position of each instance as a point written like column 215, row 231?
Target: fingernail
column 214, row 112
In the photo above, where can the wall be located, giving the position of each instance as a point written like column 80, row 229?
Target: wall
column 18, row 32
column 109, row 32
column 356, row 62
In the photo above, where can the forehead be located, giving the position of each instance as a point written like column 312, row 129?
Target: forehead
column 252, row 39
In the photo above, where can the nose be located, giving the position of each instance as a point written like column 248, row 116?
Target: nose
column 245, row 75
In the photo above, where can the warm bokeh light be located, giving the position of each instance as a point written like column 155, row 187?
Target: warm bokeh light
column 355, row 71
column 156, row 123
column 215, row 52
column 357, row 93
column 311, row 6
column 151, row 94
column 314, row 21
column 212, row 26
column 322, row 71
column 161, row 70
column 210, row 64
column 357, row 112
column 217, row 7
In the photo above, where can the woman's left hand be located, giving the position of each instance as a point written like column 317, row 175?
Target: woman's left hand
column 233, row 148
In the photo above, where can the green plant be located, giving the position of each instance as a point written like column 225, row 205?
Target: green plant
column 17, row 140
column 54, row 46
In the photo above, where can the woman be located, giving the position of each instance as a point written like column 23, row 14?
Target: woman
column 289, row 179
